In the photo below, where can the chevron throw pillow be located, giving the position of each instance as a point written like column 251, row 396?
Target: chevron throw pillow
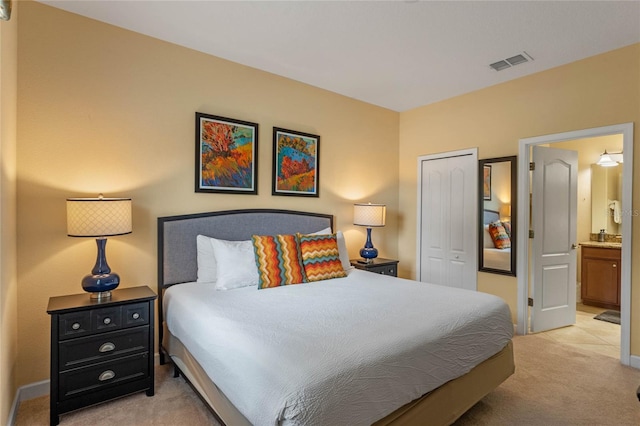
column 320, row 257
column 278, row 260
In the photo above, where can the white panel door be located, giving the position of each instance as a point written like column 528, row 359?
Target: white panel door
column 434, row 221
column 554, row 216
column 448, row 209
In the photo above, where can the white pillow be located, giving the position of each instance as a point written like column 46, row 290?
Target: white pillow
column 342, row 251
column 487, row 240
column 324, row 231
column 207, row 270
column 236, row 264
column 342, row 247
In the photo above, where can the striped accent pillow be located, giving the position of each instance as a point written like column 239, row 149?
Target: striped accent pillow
column 320, row 257
column 278, row 260
column 499, row 236
column 507, row 228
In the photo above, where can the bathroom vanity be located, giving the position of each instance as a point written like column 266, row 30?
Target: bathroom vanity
column 601, row 274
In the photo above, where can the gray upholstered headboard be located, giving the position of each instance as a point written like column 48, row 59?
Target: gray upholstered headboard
column 490, row 216
column 177, row 252
column 177, row 235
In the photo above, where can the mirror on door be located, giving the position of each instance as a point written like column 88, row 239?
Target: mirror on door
column 497, row 214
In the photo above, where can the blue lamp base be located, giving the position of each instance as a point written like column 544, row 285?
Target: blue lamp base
column 100, row 286
column 101, row 280
column 368, row 252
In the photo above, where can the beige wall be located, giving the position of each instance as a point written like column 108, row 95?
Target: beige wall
column 597, row 91
column 8, row 281
column 106, row 110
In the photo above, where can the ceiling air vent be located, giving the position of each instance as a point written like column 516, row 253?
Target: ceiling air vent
column 518, row 59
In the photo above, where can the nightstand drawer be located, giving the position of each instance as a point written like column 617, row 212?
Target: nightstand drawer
column 78, row 324
column 377, row 266
column 84, row 350
column 104, row 375
column 137, row 314
column 106, row 319
column 384, row 270
column 74, row 325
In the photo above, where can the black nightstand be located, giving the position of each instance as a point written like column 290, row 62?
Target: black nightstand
column 100, row 350
column 378, row 265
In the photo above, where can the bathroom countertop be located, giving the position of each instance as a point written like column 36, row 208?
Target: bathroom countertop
column 598, row 244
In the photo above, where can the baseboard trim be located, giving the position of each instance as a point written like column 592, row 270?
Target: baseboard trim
column 38, row 389
column 25, row 393
column 634, row 361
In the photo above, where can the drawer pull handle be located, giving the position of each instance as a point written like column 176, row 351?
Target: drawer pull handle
column 106, row 375
column 135, row 315
column 75, row 325
column 107, row 347
column 107, row 321
column 614, row 265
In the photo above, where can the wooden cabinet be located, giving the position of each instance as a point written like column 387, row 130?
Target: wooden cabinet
column 100, row 350
column 601, row 277
column 377, row 265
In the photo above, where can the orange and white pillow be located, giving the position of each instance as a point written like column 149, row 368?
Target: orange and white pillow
column 278, row 260
column 499, row 235
column 320, row 257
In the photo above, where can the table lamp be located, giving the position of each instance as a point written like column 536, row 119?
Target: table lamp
column 100, row 218
column 369, row 215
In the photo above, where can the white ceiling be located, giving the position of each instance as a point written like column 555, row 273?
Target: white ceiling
column 395, row 54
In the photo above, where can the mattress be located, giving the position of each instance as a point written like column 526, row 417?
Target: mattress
column 348, row 350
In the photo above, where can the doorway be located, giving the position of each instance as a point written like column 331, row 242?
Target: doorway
column 626, row 130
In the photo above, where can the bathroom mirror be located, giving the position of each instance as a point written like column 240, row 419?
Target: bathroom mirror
column 497, row 215
column 606, row 199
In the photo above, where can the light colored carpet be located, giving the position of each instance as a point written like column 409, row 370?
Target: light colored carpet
column 174, row 403
column 554, row 384
column 557, row 384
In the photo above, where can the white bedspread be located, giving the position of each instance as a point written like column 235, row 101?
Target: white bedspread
column 342, row 351
column 497, row 258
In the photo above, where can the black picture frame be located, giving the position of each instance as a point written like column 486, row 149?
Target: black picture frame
column 296, row 163
column 226, row 157
column 486, row 182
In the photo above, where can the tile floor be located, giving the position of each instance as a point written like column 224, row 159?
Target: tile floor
column 588, row 333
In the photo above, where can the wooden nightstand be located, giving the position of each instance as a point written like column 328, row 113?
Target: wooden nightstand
column 100, row 350
column 379, row 266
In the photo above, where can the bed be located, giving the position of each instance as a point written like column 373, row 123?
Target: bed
column 352, row 350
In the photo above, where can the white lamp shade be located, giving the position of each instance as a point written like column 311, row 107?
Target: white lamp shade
column 606, row 161
column 98, row 217
column 369, row 215
column 505, row 210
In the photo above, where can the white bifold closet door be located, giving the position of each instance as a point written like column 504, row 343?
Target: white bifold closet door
column 448, row 194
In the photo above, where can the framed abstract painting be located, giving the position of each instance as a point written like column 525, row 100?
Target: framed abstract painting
column 296, row 163
column 226, row 155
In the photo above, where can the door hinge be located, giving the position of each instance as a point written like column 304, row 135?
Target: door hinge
column 532, row 166
column 530, row 233
column 530, row 301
